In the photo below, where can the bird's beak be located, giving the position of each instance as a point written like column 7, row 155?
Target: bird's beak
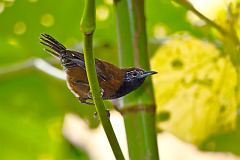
column 148, row 73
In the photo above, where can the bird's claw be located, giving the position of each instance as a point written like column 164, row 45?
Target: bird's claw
column 95, row 115
column 84, row 100
column 90, row 93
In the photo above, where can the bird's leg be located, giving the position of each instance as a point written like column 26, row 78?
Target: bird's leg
column 102, row 91
column 108, row 113
column 84, row 100
column 90, row 93
column 95, row 115
column 82, row 86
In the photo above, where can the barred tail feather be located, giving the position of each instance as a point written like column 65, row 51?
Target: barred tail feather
column 56, row 48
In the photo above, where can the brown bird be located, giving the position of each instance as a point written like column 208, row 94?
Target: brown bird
column 114, row 82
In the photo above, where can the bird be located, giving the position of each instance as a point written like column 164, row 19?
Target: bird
column 114, row 82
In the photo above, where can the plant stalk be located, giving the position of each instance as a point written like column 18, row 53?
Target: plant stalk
column 88, row 27
column 138, row 107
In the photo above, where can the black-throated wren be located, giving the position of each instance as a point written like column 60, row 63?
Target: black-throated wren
column 114, row 82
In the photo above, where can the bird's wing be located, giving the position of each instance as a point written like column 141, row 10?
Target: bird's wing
column 78, row 59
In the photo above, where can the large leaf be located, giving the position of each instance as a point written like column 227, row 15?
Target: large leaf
column 195, row 89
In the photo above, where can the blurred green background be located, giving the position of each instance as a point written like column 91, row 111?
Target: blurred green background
column 195, row 89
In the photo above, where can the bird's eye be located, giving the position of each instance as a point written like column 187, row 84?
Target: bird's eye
column 134, row 74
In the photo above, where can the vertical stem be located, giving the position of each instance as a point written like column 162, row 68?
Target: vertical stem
column 138, row 107
column 141, row 135
column 88, row 27
column 189, row 6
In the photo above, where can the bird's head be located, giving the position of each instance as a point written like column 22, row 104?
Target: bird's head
column 133, row 74
column 132, row 79
column 136, row 76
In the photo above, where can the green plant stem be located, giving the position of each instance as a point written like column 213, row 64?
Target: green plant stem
column 188, row 5
column 88, row 27
column 94, row 86
column 141, row 135
column 138, row 107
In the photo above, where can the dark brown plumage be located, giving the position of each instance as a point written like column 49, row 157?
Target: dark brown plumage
column 114, row 82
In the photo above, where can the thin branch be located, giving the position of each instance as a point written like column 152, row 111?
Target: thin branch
column 188, row 5
column 88, row 27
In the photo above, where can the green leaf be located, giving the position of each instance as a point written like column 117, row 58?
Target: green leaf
column 200, row 94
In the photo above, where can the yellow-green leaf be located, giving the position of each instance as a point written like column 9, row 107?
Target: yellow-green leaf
column 194, row 89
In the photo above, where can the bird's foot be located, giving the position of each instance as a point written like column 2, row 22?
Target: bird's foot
column 95, row 115
column 90, row 93
column 84, row 100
